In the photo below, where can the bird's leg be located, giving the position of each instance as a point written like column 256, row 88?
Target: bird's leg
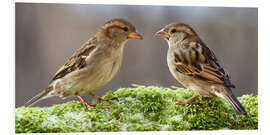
column 99, row 98
column 85, row 104
column 188, row 101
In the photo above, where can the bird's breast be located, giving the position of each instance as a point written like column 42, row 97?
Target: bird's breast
column 98, row 71
column 103, row 70
column 187, row 81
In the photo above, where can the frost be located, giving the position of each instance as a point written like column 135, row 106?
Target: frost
column 71, row 114
column 153, row 109
column 124, row 126
column 164, row 127
column 86, row 124
column 129, row 98
column 19, row 115
column 177, row 118
column 50, row 121
column 139, row 115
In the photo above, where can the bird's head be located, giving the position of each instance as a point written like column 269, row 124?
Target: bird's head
column 118, row 31
column 176, row 32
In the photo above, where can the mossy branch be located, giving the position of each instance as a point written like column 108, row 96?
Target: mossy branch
column 139, row 109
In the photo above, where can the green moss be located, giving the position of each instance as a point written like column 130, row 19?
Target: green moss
column 139, row 109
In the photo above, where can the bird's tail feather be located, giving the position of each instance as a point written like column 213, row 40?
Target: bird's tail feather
column 237, row 106
column 42, row 95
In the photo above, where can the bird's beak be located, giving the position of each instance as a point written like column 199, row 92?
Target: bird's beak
column 162, row 34
column 134, row 35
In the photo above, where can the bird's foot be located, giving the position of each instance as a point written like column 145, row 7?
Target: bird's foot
column 112, row 98
column 101, row 99
column 85, row 104
column 188, row 101
column 106, row 100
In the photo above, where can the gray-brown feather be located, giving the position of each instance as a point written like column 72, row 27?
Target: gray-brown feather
column 204, row 66
column 77, row 61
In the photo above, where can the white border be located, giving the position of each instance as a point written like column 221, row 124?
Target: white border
column 7, row 55
column 219, row 3
column 8, row 59
column 220, row 132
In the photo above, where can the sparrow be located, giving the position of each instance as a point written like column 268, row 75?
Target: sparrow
column 93, row 65
column 195, row 65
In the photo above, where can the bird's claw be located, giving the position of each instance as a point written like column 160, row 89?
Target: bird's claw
column 106, row 100
column 187, row 101
column 87, row 105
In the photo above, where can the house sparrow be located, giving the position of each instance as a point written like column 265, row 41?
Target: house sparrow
column 195, row 66
column 93, row 65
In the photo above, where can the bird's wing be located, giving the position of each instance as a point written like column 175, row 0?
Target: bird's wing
column 77, row 60
column 196, row 59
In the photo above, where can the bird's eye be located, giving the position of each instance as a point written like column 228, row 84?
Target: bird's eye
column 125, row 29
column 173, row 30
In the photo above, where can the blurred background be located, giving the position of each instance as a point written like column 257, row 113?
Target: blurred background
column 48, row 34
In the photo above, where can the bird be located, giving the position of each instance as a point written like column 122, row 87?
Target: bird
column 193, row 64
column 93, row 65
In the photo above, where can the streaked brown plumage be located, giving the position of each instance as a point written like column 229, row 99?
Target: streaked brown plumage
column 93, row 65
column 195, row 66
